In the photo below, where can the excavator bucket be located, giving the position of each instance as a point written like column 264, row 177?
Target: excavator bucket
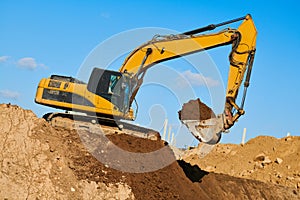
column 201, row 121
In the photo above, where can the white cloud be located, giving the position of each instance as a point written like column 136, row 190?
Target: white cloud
column 8, row 94
column 30, row 63
column 3, row 58
column 43, row 66
column 27, row 63
column 196, row 79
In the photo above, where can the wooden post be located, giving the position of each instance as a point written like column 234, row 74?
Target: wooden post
column 172, row 139
column 244, row 136
column 165, row 129
column 169, row 133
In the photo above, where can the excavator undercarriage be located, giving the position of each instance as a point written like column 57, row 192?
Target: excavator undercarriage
column 98, row 125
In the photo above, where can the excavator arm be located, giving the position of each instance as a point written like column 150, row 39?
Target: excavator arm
column 163, row 48
column 241, row 60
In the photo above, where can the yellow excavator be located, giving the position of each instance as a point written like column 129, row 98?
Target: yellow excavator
column 110, row 94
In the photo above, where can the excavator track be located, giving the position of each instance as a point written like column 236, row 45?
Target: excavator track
column 93, row 124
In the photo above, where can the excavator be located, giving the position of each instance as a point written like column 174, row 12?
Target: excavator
column 109, row 95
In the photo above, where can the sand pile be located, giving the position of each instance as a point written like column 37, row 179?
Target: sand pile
column 263, row 158
column 42, row 162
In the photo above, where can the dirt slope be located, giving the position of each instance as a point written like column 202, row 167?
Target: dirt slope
column 41, row 162
column 263, row 158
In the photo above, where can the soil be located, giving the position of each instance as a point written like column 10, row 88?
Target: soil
column 195, row 110
column 264, row 158
column 135, row 144
column 41, row 162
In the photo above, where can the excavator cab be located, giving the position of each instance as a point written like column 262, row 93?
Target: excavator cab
column 112, row 86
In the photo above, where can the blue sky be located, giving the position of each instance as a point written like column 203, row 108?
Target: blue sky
column 40, row 38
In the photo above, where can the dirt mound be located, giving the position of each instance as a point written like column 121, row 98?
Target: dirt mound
column 42, row 162
column 37, row 164
column 263, row 158
column 195, row 110
column 135, row 144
